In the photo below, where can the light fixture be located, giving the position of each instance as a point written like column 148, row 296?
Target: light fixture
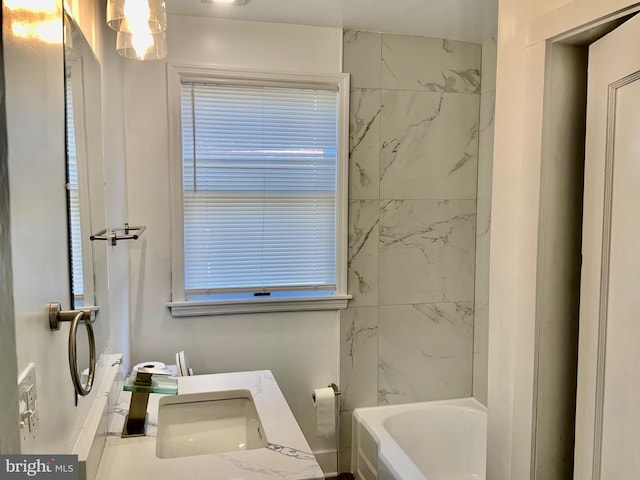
column 137, row 16
column 235, row 3
column 142, row 46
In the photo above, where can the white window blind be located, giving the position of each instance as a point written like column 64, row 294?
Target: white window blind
column 74, row 202
column 259, row 188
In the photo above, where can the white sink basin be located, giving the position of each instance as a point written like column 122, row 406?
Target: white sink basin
column 206, row 423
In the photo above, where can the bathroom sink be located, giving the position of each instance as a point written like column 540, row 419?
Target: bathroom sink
column 206, row 423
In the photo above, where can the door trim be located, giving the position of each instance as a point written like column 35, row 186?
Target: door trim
column 562, row 81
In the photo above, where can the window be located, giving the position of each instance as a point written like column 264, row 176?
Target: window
column 260, row 204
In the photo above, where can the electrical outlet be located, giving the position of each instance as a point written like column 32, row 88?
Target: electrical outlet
column 28, row 401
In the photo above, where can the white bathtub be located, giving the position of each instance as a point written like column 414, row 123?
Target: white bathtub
column 444, row 440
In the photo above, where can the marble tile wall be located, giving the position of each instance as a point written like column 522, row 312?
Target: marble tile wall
column 408, row 334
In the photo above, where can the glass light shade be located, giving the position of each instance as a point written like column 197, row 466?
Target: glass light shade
column 142, row 46
column 129, row 15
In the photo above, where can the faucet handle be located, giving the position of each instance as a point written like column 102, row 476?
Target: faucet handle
column 144, row 374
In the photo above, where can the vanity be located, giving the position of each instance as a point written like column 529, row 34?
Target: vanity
column 242, row 416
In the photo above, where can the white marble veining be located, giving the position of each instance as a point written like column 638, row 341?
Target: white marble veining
column 358, row 357
column 364, row 144
column 427, row 251
column 362, row 58
column 364, row 225
column 415, row 131
column 432, row 64
column 429, row 145
column 429, row 342
column 287, row 455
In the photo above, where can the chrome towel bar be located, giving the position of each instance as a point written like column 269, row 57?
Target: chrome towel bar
column 114, row 236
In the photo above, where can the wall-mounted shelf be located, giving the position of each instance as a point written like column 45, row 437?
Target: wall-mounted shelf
column 125, row 232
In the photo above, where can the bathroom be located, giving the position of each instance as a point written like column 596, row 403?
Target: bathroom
column 356, row 347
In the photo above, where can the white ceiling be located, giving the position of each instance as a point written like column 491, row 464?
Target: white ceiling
column 466, row 20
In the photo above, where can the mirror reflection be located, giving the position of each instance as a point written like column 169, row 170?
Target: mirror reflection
column 85, row 173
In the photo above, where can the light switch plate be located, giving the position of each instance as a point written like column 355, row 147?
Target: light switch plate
column 28, row 401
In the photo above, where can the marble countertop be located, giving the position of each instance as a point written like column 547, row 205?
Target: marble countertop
column 287, row 455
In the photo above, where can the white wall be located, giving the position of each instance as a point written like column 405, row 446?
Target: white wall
column 34, row 89
column 115, row 190
column 300, row 348
column 89, row 15
column 35, row 103
column 542, row 7
column 522, row 32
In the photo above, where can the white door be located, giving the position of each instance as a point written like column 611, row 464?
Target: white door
column 608, row 409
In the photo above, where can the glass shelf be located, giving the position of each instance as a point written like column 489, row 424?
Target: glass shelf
column 159, row 384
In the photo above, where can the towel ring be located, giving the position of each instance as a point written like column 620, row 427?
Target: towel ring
column 73, row 354
column 56, row 315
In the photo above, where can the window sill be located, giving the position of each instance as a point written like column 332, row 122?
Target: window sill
column 198, row 309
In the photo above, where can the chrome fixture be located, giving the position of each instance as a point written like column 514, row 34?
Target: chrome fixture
column 140, row 387
column 56, row 316
column 114, row 236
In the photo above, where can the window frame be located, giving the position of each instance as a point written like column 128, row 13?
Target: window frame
column 179, row 306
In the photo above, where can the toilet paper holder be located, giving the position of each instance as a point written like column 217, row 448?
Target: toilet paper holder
column 336, row 391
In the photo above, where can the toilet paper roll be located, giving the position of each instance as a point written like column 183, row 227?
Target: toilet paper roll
column 149, row 364
column 324, row 401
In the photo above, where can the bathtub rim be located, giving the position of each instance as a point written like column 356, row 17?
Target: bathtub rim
column 390, row 453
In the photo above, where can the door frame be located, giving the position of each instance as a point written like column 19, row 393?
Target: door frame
column 562, row 158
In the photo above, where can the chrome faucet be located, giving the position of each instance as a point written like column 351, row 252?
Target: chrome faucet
column 136, row 421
